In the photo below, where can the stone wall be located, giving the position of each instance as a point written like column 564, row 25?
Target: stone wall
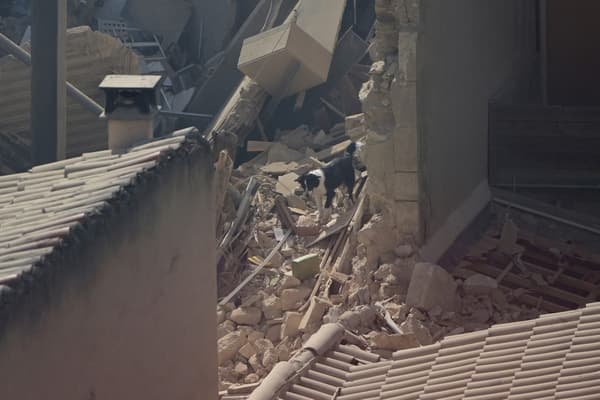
column 437, row 64
column 390, row 113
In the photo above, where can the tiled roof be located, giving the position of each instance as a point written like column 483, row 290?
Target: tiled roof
column 40, row 208
column 556, row 356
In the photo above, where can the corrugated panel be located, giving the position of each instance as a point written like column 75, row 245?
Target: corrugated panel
column 90, row 57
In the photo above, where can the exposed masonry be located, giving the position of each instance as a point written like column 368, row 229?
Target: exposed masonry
column 389, row 105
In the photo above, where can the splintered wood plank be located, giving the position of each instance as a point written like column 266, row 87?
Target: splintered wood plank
column 524, row 283
column 333, row 151
column 255, row 146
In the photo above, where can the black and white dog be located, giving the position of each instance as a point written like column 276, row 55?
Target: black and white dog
column 323, row 182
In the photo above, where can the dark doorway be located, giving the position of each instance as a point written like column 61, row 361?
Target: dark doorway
column 573, row 52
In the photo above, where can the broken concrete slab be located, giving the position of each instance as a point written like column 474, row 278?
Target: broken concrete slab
column 431, row 286
column 306, row 267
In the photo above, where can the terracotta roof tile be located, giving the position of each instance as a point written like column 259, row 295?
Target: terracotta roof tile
column 38, row 208
column 556, row 356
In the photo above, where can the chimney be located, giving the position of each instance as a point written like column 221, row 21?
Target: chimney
column 130, row 108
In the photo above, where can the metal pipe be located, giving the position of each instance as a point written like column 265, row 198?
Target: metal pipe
column 20, row 54
column 546, row 215
column 168, row 113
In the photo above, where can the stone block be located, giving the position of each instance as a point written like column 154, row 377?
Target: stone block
column 405, row 149
column 289, row 282
column 274, row 333
column 431, row 286
column 248, row 350
column 403, row 96
column 306, row 267
column 406, row 186
column 291, row 324
column 314, row 314
column 229, row 345
column 271, row 307
column 292, row 299
column 407, row 56
column 246, row 316
column 355, row 126
column 406, row 215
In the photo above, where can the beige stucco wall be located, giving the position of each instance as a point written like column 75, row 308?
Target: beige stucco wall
column 132, row 317
column 469, row 52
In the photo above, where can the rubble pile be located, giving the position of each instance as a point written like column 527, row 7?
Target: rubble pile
column 338, row 272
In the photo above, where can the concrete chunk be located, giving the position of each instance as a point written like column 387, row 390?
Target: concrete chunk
column 431, row 286
column 306, row 267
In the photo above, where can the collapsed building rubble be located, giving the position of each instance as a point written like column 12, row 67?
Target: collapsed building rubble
column 294, row 280
column 368, row 278
column 281, row 273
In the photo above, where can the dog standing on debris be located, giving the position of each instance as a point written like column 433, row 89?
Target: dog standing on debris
column 323, row 182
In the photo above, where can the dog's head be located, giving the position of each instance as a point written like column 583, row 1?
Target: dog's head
column 308, row 181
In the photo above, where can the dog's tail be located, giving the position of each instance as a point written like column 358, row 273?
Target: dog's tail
column 351, row 149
